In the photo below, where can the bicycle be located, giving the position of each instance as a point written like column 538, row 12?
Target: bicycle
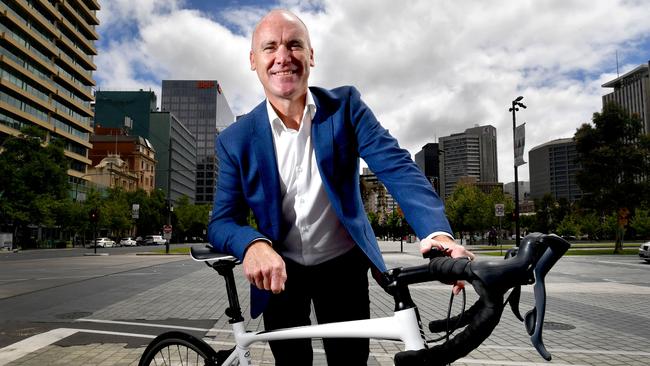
column 491, row 280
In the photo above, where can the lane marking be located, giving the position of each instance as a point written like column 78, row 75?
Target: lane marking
column 624, row 263
column 574, row 350
column 513, row 363
column 26, row 346
column 22, row 348
column 101, row 321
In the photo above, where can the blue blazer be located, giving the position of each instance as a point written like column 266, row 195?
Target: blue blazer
column 344, row 129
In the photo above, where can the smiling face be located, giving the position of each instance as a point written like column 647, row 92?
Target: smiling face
column 281, row 54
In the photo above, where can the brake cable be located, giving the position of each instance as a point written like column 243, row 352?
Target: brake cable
column 448, row 333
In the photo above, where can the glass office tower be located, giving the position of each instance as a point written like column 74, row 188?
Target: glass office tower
column 204, row 110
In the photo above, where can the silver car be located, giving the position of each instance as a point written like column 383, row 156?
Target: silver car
column 104, row 243
column 644, row 251
column 127, row 242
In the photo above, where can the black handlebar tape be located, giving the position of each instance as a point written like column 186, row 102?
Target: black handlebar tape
column 447, row 269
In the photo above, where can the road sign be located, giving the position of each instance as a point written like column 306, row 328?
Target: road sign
column 135, row 211
column 499, row 209
column 167, row 229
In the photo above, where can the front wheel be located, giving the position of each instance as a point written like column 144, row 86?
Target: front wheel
column 177, row 348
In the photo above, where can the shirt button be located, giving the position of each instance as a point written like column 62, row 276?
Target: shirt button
column 299, row 169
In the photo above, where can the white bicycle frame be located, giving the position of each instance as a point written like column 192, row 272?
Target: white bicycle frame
column 403, row 325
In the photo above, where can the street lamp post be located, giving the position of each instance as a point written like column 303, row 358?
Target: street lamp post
column 515, row 104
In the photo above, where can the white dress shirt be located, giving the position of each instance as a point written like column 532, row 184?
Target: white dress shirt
column 316, row 234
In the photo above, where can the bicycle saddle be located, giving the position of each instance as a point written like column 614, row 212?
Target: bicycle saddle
column 491, row 280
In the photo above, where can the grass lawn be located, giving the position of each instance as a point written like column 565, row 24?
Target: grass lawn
column 185, row 250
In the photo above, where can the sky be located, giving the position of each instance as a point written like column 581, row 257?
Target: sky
column 426, row 68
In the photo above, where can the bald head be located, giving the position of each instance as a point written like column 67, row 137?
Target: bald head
column 282, row 56
column 273, row 18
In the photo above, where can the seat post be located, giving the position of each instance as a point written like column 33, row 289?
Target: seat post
column 234, row 310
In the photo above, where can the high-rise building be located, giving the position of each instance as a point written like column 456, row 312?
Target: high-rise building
column 428, row 159
column 552, row 169
column 632, row 92
column 204, row 110
column 177, row 160
column 472, row 153
column 46, row 73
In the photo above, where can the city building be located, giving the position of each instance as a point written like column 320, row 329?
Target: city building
column 173, row 143
column 113, row 172
column 46, row 73
column 136, row 151
column 524, row 190
column 375, row 196
column 472, row 153
column 176, row 155
column 114, row 107
column 485, row 187
column 204, row 110
column 428, row 159
column 552, row 169
column 632, row 92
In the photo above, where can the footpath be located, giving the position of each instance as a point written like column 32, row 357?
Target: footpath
column 587, row 322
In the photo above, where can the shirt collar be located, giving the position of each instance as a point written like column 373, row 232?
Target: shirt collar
column 276, row 123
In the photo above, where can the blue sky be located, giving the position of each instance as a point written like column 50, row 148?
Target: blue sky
column 427, row 69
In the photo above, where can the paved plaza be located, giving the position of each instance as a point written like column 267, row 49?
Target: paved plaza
column 590, row 320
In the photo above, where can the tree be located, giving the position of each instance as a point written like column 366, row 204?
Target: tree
column 33, row 180
column 641, row 223
column 614, row 156
column 191, row 220
column 468, row 209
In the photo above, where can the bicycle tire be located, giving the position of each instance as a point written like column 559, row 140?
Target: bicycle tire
column 178, row 348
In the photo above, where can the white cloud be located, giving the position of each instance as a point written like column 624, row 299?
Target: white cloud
column 427, row 69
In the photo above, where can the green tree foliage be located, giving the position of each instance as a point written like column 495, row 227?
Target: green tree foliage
column 470, row 210
column 615, row 158
column 33, row 181
column 641, row 223
column 191, row 220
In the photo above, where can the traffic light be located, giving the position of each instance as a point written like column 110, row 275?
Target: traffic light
column 94, row 215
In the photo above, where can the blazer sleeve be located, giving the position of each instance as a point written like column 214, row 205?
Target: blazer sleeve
column 393, row 165
column 228, row 230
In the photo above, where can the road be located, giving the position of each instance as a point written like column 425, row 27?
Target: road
column 597, row 307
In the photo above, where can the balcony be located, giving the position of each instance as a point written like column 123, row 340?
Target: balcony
column 73, row 104
column 26, row 73
column 78, row 71
column 91, row 17
column 89, row 30
column 35, row 15
column 48, row 65
column 86, row 61
column 89, row 46
column 80, row 91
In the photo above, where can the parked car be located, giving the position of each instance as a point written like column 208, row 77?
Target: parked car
column 154, row 240
column 139, row 240
column 104, row 243
column 128, row 242
column 644, row 251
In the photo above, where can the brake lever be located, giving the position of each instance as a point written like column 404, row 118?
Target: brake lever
column 556, row 248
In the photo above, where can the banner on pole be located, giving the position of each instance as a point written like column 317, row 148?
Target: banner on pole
column 520, row 142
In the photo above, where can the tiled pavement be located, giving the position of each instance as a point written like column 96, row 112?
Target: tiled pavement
column 595, row 323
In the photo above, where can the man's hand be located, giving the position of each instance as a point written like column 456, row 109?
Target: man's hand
column 449, row 248
column 264, row 268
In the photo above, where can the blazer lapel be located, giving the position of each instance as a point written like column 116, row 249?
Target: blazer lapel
column 268, row 167
column 322, row 136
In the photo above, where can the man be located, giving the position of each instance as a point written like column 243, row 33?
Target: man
column 294, row 161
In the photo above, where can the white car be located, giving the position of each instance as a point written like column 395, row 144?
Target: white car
column 154, row 240
column 128, row 242
column 644, row 251
column 104, row 243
